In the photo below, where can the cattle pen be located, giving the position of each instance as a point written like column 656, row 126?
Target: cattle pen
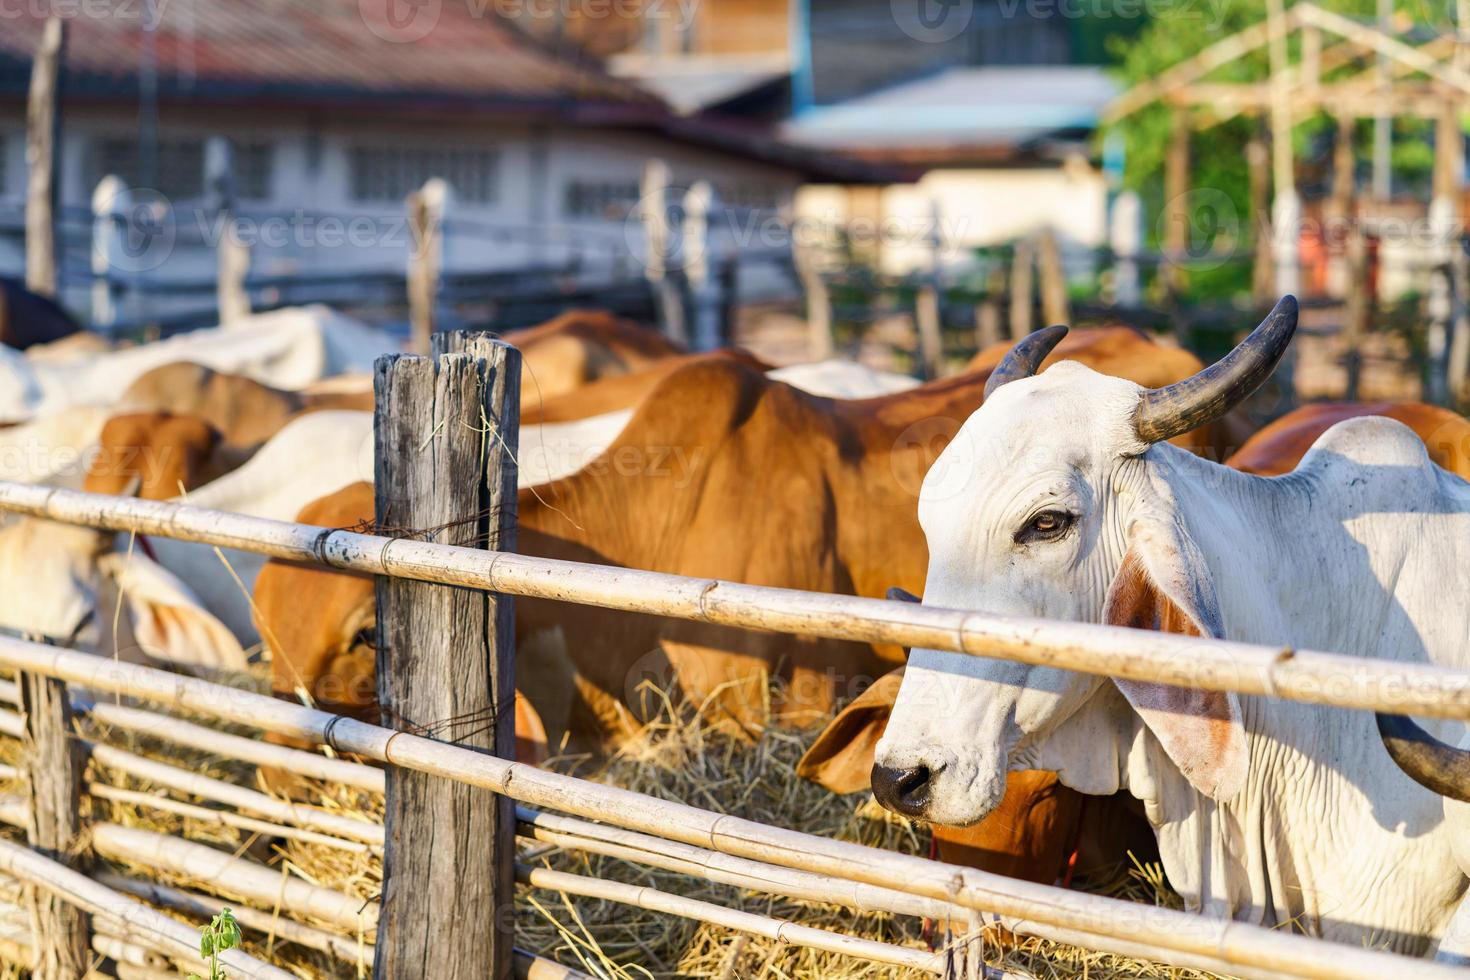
column 50, row 879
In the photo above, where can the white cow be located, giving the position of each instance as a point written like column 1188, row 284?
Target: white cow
column 289, row 348
column 1060, row 499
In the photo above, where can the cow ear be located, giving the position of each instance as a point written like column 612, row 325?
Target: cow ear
column 530, row 733
column 168, row 622
column 841, row 759
column 1163, row 584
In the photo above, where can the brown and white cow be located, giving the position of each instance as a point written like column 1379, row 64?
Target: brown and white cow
column 580, row 347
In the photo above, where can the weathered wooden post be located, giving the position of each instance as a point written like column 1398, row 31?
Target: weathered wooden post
column 658, row 235
column 1359, row 309
column 1339, row 207
column 1054, row 306
column 1023, row 266
column 987, row 311
column 445, row 448
column 820, row 343
column 43, row 158
column 928, row 312
column 1449, row 160
column 1258, row 166
column 232, row 255
column 110, row 204
column 426, row 209
column 61, row 938
column 699, row 265
column 1176, row 204
column 1126, row 234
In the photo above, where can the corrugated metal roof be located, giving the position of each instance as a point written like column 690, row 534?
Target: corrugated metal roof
column 959, row 109
column 453, row 50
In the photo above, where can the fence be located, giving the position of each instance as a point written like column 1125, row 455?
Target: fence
column 436, row 790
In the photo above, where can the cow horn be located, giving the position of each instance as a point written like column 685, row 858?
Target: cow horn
column 1425, row 759
column 1022, row 360
column 1164, row 413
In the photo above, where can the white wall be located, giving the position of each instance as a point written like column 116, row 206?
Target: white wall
column 975, row 208
column 311, row 198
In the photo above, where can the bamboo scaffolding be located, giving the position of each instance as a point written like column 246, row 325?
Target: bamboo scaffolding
column 1307, row 676
column 256, row 883
column 781, row 930
column 1165, row 931
column 143, row 924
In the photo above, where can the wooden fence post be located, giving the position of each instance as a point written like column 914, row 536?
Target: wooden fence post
column 232, row 255
column 658, row 237
column 1023, row 262
column 928, row 310
column 1358, row 310
column 426, row 208
column 110, row 203
column 820, row 343
column 53, row 769
column 1126, row 233
column 43, row 158
column 445, row 448
column 1054, row 306
column 700, row 267
column 1176, row 206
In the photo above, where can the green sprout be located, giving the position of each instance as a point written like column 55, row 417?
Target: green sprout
column 222, row 933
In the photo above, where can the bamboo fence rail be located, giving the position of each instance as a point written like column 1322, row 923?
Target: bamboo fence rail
column 1249, row 950
column 144, row 925
column 1311, row 677
column 644, row 897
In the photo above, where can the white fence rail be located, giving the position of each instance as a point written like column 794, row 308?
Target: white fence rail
column 1299, row 675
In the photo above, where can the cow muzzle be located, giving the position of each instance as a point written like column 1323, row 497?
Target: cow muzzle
column 904, row 791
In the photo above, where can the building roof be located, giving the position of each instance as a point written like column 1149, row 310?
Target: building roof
column 693, row 83
column 307, row 50
column 443, row 57
column 960, row 115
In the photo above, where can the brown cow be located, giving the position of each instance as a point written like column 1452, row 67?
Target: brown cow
column 1036, row 830
column 1278, row 447
column 623, row 390
column 724, row 473
column 579, row 347
column 164, row 453
column 333, row 660
column 245, row 412
column 160, row 436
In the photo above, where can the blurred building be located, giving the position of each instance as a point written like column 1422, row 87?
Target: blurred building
column 336, row 108
column 983, row 108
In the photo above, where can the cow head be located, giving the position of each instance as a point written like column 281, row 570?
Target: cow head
column 1054, row 501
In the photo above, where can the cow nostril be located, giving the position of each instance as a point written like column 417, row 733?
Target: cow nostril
column 904, row 791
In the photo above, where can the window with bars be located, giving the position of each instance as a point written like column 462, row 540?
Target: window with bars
column 179, row 167
column 605, row 199
column 390, row 173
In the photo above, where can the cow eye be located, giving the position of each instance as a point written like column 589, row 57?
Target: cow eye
column 1045, row 526
column 367, row 637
